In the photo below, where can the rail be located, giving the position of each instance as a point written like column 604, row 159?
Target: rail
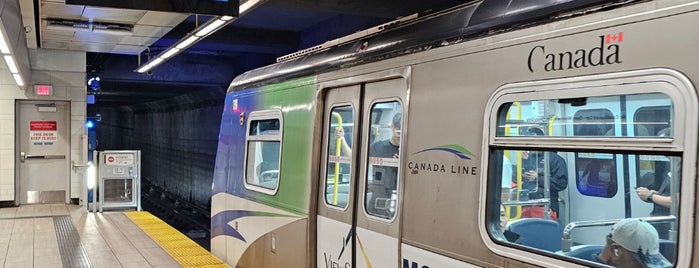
column 191, row 214
column 567, row 242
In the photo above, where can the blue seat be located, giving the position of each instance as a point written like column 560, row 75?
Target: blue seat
column 538, row 233
column 669, row 249
column 586, row 252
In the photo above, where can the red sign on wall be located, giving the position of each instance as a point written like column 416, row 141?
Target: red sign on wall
column 42, row 125
column 43, row 132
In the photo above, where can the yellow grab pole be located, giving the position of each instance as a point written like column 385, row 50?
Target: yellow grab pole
column 519, row 163
column 553, row 118
column 338, row 151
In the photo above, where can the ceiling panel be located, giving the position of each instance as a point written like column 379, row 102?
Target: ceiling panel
column 162, row 18
column 62, row 11
column 125, row 16
column 138, row 40
column 58, row 35
column 54, row 44
column 127, row 49
column 96, row 37
column 150, row 31
column 92, row 47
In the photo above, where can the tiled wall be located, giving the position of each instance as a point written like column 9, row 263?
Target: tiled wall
column 65, row 70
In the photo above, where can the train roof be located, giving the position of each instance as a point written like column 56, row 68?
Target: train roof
column 405, row 36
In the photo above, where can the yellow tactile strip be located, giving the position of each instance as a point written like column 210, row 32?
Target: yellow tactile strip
column 185, row 251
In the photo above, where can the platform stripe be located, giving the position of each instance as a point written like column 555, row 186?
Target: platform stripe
column 185, row 251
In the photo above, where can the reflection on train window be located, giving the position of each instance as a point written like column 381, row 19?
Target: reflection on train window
column 650, row 121
column 527, row 215
column 603, row 122
column 384, row 159
column 339, row 156
column 589, row 116
column 263, row 153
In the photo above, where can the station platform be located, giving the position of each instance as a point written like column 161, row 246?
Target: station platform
column 60, row 235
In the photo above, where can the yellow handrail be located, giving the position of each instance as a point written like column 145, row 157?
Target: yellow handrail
column 553, row 118
column 519, row 162
column 338, row 151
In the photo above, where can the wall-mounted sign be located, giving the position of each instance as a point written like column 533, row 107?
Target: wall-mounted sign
column 43, row 132
column 43, row 90
column 119, row 159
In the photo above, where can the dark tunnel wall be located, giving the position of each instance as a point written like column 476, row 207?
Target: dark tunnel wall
column 177, row 138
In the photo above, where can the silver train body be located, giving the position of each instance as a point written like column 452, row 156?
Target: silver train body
column 599, row 81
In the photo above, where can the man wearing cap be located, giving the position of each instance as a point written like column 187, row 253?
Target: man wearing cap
column 633, row 243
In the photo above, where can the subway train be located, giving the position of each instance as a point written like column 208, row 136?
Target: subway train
column 423, row 142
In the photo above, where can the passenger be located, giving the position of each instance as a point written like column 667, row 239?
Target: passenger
column 533, row 175
column 389, row 147
column 633, row 243
column 340, row 134
column 384, row 178
column 660, row 195
column 506, row 179
column 509, row 235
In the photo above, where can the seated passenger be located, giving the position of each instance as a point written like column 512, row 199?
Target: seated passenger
column 509, row 235
column 633, row 243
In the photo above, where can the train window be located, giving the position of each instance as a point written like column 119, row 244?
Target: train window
column 263, row 151
column 338, row 179
column 384, row 159
column 533, row 217
column 560, row 197
column 585, row 117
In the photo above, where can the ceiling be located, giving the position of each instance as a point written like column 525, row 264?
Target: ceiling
column 118, row 40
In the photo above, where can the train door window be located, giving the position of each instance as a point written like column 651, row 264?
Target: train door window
column 591, row 151
column 384, row 159
column 339, row 159
column 595, row 172
column 263, row 151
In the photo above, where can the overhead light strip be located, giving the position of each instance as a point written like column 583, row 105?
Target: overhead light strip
column 204, row 30
column 10, row 58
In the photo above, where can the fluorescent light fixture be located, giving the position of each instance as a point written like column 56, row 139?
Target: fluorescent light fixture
column 247, row 5
column 187, row 42
column 156, row 62
column 169, row 53
column 210, row 28
column 199, row 33
column 144, row 68
column 11, row 64
column 3, row 45
column 18, row 80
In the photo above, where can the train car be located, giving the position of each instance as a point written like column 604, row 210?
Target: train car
column 428, row 142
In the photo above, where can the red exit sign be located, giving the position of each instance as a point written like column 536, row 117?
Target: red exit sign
column 43, row 90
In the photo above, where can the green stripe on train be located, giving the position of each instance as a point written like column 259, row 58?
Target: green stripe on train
column 295, row 99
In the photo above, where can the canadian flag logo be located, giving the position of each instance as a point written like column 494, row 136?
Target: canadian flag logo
column 614, row 38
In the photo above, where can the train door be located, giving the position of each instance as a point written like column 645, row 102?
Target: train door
column 357, row 223
column 607, row 114
column 44, row 147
